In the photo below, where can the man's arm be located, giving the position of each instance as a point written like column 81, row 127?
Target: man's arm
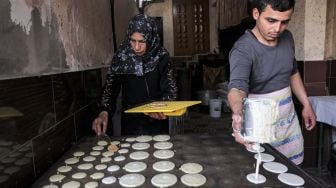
column 298, row 89
column 235, row 98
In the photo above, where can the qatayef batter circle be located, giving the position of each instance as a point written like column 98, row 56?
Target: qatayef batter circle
column 109, row 180
column 113, row 168
column 97, row 148
column 79, row 175
column 139, row 155
column 71, row 161
column 191, row 168
column 102, row 143
column 97, row 175
column 132, row 180
column 163, row 145
column 193, row 180
column 291, row 179
column 105, row 159
column 120, row 158
column 71, row 184
column 161, row 138
column 100, row 166
column 78, row 154
column 163, row 154
column 163, row 166
column 108, row 153
column 89, row 158
column 130, row 139
column 275, row 167
column 164, row 180
column 123, row 151
column 91, row 184
column 144, row 138
column 56, row 178
column 95, row 153
column 261, row 149
column 64, row 169
column 50, row 186
column 135, row 166
column 140, row 146
column 125, row 145
column 265, row 157
column 85, row 166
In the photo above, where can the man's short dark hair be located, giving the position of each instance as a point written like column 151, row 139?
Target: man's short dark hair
column 278, row 5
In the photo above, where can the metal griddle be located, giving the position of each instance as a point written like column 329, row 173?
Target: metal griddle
column 225, row 162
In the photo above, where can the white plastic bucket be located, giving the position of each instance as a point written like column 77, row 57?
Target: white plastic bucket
column 215, row 108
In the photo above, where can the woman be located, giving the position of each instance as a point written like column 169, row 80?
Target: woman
column 142, row 70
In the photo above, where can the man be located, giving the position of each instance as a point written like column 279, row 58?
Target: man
column 262, row 64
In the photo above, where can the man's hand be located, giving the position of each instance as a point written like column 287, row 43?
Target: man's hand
column 99, row 125
column 309, row 117
column 237, row 127
column 157, row 115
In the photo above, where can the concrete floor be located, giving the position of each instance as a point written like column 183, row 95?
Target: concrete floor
column 198, row 120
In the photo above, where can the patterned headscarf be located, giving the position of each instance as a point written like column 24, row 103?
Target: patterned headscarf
column 125, row 61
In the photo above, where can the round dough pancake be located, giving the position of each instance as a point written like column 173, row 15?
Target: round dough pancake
column 91, row 184
column 89, row 158
column 144, row 138
column 191, row 168
column 163, row 154
column 56, row 178
column 116, row 142
column 164, row 180
column 50, row 186
column 23, row 161
column 3, row 178
column 5, row 143
column 130, row 139
column 109, row 180
column 15, row 154
column 71, row 161
column 85, row 166
column 139, row 155
column 101, row 167
column 291, row 179
column 108, row 153
column 8, row 160
column 163, row 166
column 125, row 145
column 265, row 157
column 105, row 159
column 161, row 138
column 113, row 168
column 97, row 175
column 123, row 151
column 64, row 169
column 95, row 153
column 97, row 148
column 78, row 154
column 120, row 158
column 140, row 146
column 79, row 175
column 132, row 180
column 275, row 167
column 102, row 143
column 163, row 145
column 252, row 178
column 262, row 149
column 71, row 184
column 193, row 180
column 157, row 105
column 11, row 170
column 135, row 166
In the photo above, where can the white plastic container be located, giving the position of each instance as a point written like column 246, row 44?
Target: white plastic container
column 215, row 108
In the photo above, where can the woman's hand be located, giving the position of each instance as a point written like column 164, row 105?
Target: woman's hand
column 99, row 124
column 157, row 115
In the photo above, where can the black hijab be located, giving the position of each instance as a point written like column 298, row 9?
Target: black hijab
column 126, row 62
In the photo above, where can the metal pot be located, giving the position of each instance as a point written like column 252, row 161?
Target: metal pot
column 259, row 119
column 206, row 95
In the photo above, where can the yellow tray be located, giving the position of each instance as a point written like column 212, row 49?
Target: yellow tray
column 168, row 108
